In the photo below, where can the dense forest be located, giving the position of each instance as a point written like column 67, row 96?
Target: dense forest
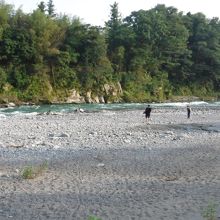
column 152, row 55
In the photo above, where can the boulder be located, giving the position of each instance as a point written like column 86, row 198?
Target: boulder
column 101, row 99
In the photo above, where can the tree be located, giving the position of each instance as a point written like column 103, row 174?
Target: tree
column 96, row 69
column 113, row 27
column 5, row 11
column 204, row 41
column 51, row 9
column 152, row 53
column 42, row 7
column 115, row 36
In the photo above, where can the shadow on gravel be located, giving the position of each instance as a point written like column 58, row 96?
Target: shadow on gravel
column 135, row 183
column 187, row 127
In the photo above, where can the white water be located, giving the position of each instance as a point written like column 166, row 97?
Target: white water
column 68, row 108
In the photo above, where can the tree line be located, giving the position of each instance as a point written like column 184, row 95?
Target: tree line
column 154, row 54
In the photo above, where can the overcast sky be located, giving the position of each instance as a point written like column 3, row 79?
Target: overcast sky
column 96, row 12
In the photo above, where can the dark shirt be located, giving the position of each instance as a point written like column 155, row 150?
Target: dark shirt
column 188, row 112
column 147, row 111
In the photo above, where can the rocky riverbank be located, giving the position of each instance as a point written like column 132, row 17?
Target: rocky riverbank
column 111, row 164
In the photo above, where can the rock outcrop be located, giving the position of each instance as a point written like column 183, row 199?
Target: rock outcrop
column 75, row 97
column 109, row 93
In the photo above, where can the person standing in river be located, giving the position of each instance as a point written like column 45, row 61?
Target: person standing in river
column 147, row 112
column 188, row 111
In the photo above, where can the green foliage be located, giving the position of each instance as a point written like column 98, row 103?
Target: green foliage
column 19, row 78
column 42, row 7
column 183, row 91
column 209, row 213
column 3, row 77
column 39, row 89
column 113, row 27
column 31, row 172
column 50, row 8
column 27, row 173
column 135, row 86
column 153, row 54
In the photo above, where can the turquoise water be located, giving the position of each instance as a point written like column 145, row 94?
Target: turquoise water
column 67, row 108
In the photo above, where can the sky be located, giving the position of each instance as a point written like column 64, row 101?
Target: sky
column 96, row 12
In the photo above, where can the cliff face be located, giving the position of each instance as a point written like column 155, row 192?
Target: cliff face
column 110, row 93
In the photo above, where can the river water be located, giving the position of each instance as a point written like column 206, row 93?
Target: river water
column 68, row 108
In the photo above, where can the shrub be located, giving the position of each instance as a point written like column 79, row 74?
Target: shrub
column 31, row 172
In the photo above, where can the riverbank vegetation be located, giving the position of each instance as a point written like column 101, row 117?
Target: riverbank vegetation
column 153, row 54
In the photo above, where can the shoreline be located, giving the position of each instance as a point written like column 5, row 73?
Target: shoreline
column 112, row 165
column 174, row 99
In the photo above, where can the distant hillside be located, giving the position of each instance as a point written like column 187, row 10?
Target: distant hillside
column 150, row 55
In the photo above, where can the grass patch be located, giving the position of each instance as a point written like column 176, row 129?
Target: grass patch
column 31, row 172
column 210, row 212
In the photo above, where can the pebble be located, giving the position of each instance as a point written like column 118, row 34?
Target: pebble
column 100, row 165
